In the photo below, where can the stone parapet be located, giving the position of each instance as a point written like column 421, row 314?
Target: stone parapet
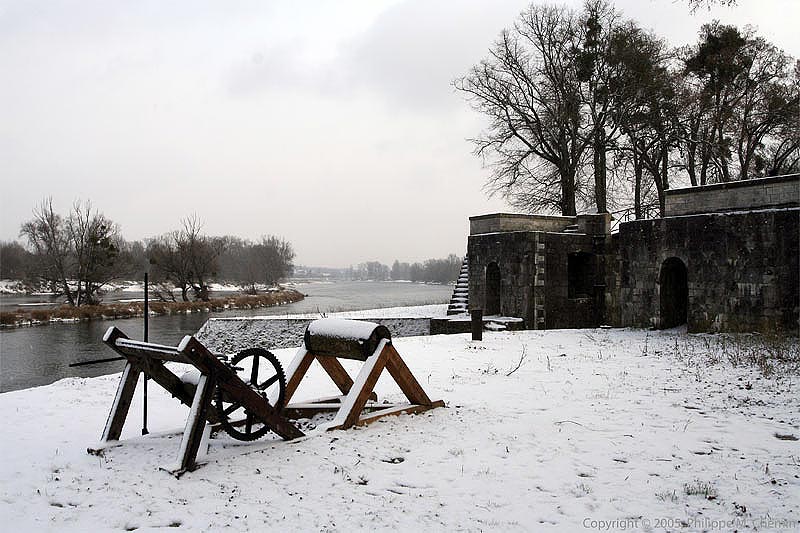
column 763, row 193
column 505, row 222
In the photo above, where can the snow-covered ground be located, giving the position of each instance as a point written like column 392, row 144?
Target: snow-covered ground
column 11, row 286
column 596, row 430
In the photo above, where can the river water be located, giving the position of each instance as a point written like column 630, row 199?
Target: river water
column 39, row 355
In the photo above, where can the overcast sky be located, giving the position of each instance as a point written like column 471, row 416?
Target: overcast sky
column 332, row 124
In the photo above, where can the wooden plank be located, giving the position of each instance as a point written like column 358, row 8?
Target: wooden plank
column 396, row 410
column 405, row 379
column 309, row 409
column 127, row 349
column 296, row 371
column 327, row 399
column 122, row 403
column 195, row 424
column 365, row 382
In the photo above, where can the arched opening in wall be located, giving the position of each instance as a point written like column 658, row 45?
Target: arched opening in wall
column 580, row 275
column 674, row 293
column 492, row 290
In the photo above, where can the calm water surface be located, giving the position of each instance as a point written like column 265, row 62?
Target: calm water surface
column 39, row 355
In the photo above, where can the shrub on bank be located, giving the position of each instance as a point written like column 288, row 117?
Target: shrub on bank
column 10, row 318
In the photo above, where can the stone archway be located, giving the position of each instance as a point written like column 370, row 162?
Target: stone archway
column 673, row 280
column 492, row 296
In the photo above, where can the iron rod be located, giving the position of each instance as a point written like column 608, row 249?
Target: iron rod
column 146, row 335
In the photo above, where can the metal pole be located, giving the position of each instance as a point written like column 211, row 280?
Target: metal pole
column 146, row 332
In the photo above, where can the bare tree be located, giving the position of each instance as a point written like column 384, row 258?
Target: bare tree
column 708, row 4
column 769, row 106
column 46, row 236
column 94, row 242
column 79, row 254
column 528, row 87
column 740, row 98
column 276, row 258
column 187, row 258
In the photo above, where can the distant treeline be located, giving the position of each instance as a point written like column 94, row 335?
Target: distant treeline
column 76, row 254
column 429, row 271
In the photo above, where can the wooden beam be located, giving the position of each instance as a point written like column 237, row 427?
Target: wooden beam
column 336, row 371
column 405, row 379
column 313, row 407
column 161, row 355
column 122, row 403
column 195, row 424
column 355, row 401
column 296, row 371
column 397, row 410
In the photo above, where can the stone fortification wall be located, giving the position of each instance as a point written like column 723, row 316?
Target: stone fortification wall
column 764, row 193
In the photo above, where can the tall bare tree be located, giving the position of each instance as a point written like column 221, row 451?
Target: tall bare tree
column 48, row 239
column 78, row 254
column 529, row 89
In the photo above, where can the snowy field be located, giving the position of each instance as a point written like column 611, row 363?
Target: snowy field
column 596, row 430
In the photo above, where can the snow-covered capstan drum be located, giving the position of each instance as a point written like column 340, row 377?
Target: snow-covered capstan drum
column 350, row 339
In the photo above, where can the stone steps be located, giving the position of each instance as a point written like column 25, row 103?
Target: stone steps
column 459, row 302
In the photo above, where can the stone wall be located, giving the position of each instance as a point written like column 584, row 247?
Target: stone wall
column 499, row 222
column 597, row 307
column 780, row 191
column 742, row 269
column 515, row 253
column 534, row 277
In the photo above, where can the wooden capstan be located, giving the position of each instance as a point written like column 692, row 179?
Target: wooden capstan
column 329, row 339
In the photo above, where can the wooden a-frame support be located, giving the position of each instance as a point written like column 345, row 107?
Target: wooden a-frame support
column 349, row 407
column 149, row 358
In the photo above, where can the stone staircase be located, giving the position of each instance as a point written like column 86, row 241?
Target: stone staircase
column 459, row 303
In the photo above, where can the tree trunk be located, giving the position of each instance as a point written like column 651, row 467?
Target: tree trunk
column 68, row 292
column 691, row 153
column 637, row 187
column 600, row 170
column 568, row 192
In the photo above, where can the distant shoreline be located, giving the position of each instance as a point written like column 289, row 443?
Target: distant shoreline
column 70, row 314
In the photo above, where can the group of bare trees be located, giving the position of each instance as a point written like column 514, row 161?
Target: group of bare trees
column 77, row 254
column 189, row 260
column 587, row 110
column 431, row 270
column 250, row 264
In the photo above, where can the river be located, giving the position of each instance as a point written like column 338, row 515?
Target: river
column 39, row 355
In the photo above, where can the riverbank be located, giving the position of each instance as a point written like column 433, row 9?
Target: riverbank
column 67, row 313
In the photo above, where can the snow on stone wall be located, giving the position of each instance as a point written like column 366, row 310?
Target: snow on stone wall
column 232, row 335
